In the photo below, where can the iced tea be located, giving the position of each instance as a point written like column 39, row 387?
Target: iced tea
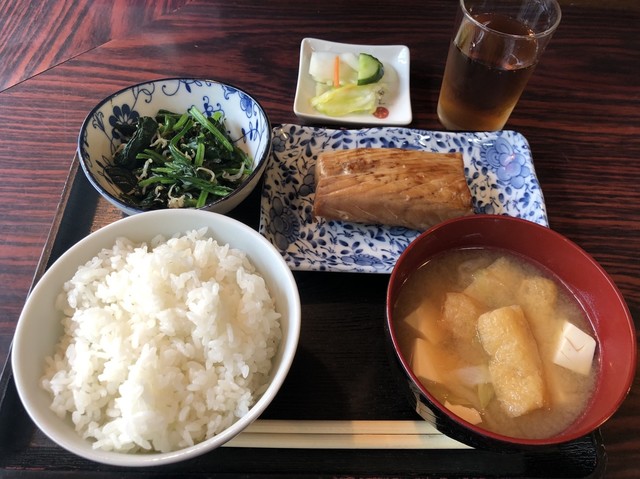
column 495, row 48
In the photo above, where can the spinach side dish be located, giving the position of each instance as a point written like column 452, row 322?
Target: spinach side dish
column 177, row 160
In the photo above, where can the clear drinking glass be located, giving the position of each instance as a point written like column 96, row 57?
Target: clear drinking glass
column 495, row 48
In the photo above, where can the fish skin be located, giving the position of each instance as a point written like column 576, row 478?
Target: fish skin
column 391, row 186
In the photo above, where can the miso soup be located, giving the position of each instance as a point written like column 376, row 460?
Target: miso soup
column 499, row 341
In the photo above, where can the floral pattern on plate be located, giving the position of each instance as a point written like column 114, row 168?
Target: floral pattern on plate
column 498, row 167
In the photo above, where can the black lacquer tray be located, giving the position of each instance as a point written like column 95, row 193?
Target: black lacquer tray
column 341, row 374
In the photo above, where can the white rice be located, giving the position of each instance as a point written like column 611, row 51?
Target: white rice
column 164, row 345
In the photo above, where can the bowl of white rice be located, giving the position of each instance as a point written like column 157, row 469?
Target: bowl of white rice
column 157, row 338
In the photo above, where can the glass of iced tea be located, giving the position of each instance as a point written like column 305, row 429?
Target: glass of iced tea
column 495, row 47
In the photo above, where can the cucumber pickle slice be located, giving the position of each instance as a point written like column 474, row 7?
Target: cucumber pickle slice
column 370, row 69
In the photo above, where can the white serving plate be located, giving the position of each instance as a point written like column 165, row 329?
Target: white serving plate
column 398, row 100
column 498, row 167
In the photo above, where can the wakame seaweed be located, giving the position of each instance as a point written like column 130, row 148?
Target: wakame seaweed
column 178, row 160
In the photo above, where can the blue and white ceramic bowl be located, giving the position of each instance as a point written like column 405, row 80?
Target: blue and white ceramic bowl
column 246, row 121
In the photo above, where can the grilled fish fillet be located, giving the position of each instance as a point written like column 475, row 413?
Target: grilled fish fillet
column 391, row 186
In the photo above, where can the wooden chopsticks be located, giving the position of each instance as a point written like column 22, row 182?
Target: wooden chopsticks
column 311, row 434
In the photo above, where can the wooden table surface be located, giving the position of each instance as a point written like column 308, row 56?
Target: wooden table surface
column 580, row 112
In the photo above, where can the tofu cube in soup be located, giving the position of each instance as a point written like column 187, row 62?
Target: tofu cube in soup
column 575, row 350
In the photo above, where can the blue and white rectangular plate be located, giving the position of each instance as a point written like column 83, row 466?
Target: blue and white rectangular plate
column 498, row 167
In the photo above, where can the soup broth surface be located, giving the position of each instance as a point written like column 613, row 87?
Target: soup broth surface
column 440, row 333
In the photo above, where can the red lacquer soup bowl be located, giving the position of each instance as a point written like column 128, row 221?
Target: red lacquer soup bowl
column 582, row 277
